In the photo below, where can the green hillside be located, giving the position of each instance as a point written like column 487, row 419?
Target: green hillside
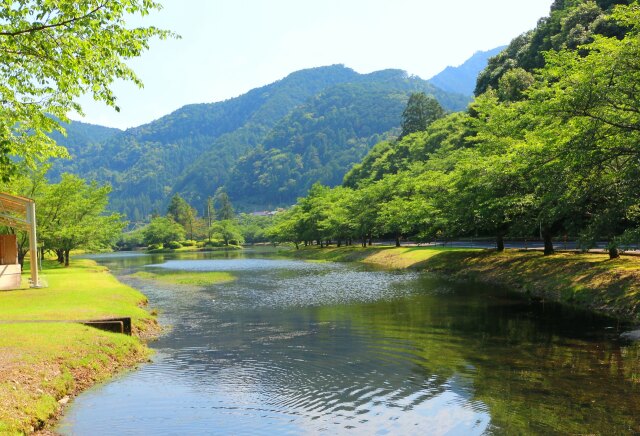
column 202, row 147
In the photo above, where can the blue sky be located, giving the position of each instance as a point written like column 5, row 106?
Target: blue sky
column 231, row 46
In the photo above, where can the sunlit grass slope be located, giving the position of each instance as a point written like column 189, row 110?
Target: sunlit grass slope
column 43, row 363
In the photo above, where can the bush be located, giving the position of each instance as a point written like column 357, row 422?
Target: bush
column 234, row 242
column 214, row 243
column 189, row 243
column 157, row 246
column 174, row 245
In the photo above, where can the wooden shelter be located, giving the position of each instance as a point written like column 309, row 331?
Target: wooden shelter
column 18, row 212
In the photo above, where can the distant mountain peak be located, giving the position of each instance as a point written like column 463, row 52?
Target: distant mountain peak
column 462, row 79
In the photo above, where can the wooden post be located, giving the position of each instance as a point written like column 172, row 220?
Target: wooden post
column 33, row 244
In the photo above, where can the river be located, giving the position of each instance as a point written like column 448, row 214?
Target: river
column 293, row 347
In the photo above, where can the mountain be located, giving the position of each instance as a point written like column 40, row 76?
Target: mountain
column 462, row 79
column 81, row 140
column 202, row 147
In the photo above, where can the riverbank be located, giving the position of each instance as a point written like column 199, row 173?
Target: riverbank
column 590, row 281
column 44, row 364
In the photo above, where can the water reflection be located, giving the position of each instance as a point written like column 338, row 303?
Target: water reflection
column 293, row 347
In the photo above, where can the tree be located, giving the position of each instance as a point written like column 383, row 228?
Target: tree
column 421, row 111
column 588, row 101
column 225, row 208
column 74, row 216
column 53, row 51
column 162, row 230
column 227, row 230
column 182, row 213
column 287, row 227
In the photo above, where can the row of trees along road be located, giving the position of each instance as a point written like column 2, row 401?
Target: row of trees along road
column 551, row 152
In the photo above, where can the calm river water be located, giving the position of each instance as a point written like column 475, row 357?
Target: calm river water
column 292, row 347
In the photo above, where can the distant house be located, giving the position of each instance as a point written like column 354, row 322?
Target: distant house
column 265, row 213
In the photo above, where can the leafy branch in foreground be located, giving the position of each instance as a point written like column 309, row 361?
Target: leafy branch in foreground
column 53, row 51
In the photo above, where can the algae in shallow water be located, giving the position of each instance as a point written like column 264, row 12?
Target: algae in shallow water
column 193, row 278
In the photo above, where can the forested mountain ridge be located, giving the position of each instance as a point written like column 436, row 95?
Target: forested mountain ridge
column 194, row 150
column 462, row 79
column 317, row 142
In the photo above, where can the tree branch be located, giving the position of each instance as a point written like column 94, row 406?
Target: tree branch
column 50, row 26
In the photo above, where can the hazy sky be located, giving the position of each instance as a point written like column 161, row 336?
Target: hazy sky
column 231, row 46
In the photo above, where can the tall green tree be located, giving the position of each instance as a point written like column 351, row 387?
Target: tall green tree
column 162, row 230
column 182, row 213
column 225, row 208
column 420, row 112
column 53, row 51
column 74, row 216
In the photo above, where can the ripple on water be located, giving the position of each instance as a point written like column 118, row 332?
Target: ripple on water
column 301, row 348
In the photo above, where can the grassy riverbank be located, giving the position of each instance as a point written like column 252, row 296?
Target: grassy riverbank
column 44, row 364
column 587, row 280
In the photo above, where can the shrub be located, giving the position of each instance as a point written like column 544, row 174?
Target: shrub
column 214, row 243
column 173, row 245
column 157, row 246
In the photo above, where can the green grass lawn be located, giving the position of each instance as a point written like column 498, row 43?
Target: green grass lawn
column 44, row 362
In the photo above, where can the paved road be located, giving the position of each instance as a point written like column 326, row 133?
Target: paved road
column 529, row 245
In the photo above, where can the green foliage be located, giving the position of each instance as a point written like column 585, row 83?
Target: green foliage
column 420, row 112
column 227, row 231
column 131, row 240
column 389, row 157
column 253, row 228
column 54, row 51
column 225, row 208
column 70, row 214
column 265, row 148
column 163, row 230
column 183, row 214
column 173, row 245
column 569, row 25
column 549, row 154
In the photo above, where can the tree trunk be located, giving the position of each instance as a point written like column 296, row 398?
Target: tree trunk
column 548, row 243
column 339, row 243
column 21, row 255
column 66, row 257
column 370, row 241
column 397, row 241
column 60, row 255
column 297, row 245
column 614, row 253
column 499, row 242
